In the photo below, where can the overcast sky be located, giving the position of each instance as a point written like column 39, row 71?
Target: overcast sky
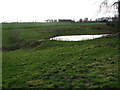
column 40, row 10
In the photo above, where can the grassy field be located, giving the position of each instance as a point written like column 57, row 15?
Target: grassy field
column 59, row 64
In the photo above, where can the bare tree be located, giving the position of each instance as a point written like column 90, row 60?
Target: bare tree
column 105, row 5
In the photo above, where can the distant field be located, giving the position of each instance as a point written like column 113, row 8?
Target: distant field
column 59, row 64
column 13, row 25
column 19, row 32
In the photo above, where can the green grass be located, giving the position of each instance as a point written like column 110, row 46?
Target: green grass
column 61, row 64
column 19, row 32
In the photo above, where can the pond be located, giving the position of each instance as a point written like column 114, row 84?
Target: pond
column 77, row 37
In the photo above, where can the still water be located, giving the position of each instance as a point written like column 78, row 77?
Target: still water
column 77, row 37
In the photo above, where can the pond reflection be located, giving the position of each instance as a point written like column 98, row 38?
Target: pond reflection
column 77, row 37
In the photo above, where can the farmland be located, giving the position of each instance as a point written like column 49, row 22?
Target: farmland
column 31, row 60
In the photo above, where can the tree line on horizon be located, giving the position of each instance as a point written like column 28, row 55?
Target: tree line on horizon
column 103, row 19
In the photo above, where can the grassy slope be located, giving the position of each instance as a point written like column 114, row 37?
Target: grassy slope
column 91, row 63
column 15, row 33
